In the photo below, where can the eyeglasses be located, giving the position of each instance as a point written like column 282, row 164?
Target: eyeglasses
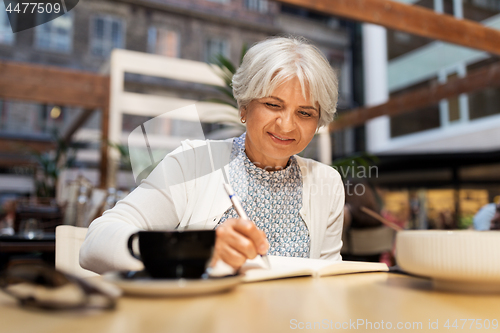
column 44, row 287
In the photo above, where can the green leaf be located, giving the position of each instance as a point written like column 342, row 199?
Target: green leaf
column 227, row 92
column 244, row 50
column 227, row 70
column 222, row 61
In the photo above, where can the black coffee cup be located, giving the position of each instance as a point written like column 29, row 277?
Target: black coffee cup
column 174, row 254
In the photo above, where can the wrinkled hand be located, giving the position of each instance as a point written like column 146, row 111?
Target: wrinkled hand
column 238, row 240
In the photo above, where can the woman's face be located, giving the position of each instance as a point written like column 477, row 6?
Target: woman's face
column 279, row 126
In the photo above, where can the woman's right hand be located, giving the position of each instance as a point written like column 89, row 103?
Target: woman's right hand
column 238, row 240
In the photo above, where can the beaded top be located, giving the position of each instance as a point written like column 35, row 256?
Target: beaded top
column 272, row 200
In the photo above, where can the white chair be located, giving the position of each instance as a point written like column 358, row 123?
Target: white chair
column 69, row 239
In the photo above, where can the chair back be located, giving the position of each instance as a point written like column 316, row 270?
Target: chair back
column 368, row 241
column 69, row 239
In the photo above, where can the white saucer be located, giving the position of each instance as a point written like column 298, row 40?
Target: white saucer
column 172, row 287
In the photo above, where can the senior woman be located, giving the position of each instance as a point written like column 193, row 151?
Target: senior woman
column 285, row 90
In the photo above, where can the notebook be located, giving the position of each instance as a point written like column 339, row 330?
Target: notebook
column 285, row 267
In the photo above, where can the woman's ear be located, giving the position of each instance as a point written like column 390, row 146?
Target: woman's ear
column 243, row 114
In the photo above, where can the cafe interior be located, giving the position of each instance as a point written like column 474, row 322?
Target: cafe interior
column 92, row 99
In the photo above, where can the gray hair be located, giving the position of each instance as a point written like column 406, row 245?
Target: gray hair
column 273, row 61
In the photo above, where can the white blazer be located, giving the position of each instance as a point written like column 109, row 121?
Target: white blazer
column 180, row 193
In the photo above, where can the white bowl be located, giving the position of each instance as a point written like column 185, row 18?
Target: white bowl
column 462, row 260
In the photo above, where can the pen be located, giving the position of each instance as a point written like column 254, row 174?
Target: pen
column 241, row 212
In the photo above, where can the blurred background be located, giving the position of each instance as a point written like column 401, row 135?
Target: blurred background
column 73, row 90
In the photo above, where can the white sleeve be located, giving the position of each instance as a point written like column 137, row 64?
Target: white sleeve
column 332, row 242
column 155, row 204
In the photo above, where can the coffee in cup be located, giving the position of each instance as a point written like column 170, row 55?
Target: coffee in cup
column 174, row 254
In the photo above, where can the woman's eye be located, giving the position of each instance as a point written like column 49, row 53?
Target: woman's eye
column 272, row 105
column 304, row 113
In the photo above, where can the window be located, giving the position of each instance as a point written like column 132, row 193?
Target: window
column 415, row 121
column 341, row 63
column 455, row 109
column 20, row 118
column 257, row 5
column 164, row 42
column 106, row 33
column 215, row 46
column 55, row 35
column 484, row 103
column 6, row 34
column 488, row 4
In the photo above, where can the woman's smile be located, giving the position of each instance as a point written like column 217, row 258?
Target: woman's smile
column 280, row 125
column 280, row 139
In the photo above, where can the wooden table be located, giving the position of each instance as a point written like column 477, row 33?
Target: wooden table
column 275, row 306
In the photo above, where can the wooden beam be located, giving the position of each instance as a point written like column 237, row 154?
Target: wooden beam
column 409, row 18
column 51, row 85
column 478, row 79
column 15, row 160
column 14, row 145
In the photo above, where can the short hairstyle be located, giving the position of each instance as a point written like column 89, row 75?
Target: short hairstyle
column 273, row 61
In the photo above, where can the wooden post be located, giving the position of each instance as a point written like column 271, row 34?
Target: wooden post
column 103, row 167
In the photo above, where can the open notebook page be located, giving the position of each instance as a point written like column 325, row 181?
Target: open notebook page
column 283, row 267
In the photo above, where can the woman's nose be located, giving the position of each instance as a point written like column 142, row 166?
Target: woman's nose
column 286, row 122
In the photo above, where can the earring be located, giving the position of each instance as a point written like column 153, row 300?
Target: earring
column 243, row 120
